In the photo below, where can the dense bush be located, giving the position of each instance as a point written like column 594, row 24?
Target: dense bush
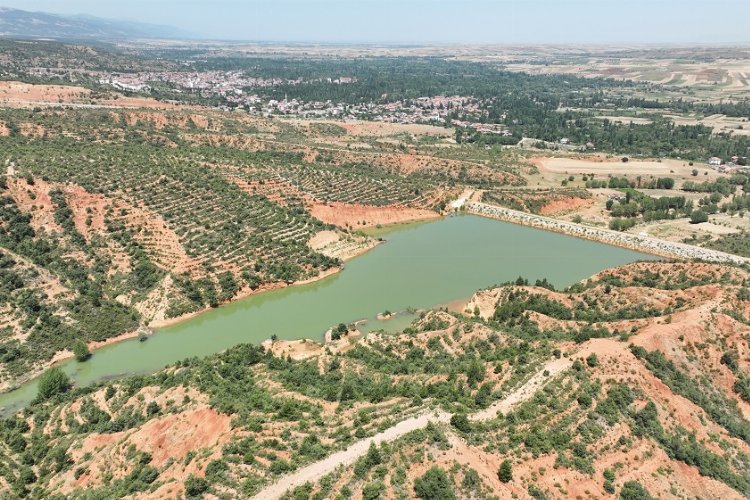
column 434, row 485
column 621, row 224
column 698, row 216
column 505, row 473
column 195, row 486
column 633, row 490
column 461, row 422
column 53, row 381
column 81, row 350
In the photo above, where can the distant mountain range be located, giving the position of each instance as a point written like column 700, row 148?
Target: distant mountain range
column 16, row 23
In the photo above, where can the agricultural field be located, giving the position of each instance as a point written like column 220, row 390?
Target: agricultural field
column 672, row 200
column 707, row 70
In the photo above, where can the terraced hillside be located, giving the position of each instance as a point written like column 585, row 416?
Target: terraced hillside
column 57, row 288
column 329, row 183
column 648, row 397
column 157, row 213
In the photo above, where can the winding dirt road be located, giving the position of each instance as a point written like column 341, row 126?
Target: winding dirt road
column 315, row 471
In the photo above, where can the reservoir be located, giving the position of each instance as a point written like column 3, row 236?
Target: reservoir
column 420, row 265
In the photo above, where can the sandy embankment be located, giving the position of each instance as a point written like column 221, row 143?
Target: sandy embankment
column 363, row 216
column 459, row 202
column 341, row 246
column 303, row 349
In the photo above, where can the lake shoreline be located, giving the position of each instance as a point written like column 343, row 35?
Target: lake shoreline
column 269, row 287
column 66, row 355
column 392, row 279
column 63, row 356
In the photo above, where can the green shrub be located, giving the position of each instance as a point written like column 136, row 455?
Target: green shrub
column 373, row 491
column 609, row 487
column 216, row 469
column 698, row 216
column 585, row 400
column 53, row 381
column 280, row 466
column 81, row 351
column 302, row 492
column 461, row 422
column 633, row 490
column 195, row 486
column 592, row 360
column 471, row 480
column 505, row 473
column 536, row 492
column 434, row 485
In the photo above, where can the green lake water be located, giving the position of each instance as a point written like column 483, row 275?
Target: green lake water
column 420, row 265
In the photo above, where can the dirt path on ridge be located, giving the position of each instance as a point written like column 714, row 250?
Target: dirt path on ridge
column 315, row 471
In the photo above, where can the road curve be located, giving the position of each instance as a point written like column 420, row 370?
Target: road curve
column 315, row 471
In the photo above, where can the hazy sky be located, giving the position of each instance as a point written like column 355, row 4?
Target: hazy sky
column 467, row 21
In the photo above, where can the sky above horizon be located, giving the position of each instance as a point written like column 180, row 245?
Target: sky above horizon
column 430, row 21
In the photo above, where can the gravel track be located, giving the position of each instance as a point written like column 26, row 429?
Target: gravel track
column 315, row 471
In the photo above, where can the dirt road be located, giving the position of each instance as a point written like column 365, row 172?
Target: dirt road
column 525, row 392
column 317, row 470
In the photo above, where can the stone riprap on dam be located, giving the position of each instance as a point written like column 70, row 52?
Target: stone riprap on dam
column 632, row 241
